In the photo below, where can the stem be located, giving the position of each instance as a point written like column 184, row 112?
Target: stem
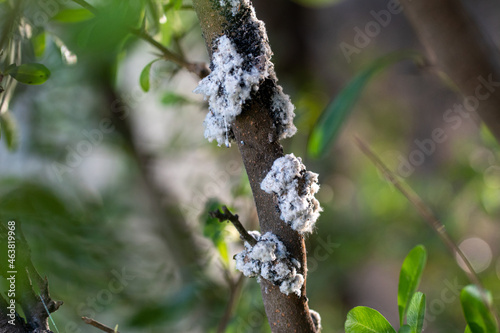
column 200, row 69
column 228, row 216
column 98, row 325
column 422, row 208
column 236, row 289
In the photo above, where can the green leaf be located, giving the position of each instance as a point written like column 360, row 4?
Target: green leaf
column 362, row 319
column 467, row 329
column 29, row 73
column 214, row 230
column 170, row 98
column 9, row 130
column 39, row 44
column 477, row 313
column 409, row 278
column 416, row 312
column 330, row 122
column 405, row 329
column 145, row 76
column 73, row 15
column 177, row 4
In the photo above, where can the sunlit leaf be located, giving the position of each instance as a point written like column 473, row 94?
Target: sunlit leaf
column 330, row 122
column 362, row 319
column 145, row 76
column 73, row 15
column 9, row 130
column 409, row 278
column 29, row 73
column 467, row 329
column 177, row 4
column 476, row 306
column 416, row 312
column 214, row 230
column 38, row 42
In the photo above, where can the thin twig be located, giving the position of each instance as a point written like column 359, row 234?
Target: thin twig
column 226, row 215
column 422, row 208
column 199, row 68
column 98, row 325
column 235, row 290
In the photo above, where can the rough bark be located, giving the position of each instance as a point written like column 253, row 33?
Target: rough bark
column 456, row 45
column 258, row 143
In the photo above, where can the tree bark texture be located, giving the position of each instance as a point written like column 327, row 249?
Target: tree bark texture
column 457, row 46
column 257, row 140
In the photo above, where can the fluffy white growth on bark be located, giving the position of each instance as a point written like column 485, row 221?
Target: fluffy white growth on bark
column 269, row 259
column 316, row 318
column 227, row 88
column 234, row 4
column 234, row 77
column 283, row 108
column 295, row 189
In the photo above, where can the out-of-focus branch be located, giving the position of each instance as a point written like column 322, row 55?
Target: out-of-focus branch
column 98, row 325
column 458, row 47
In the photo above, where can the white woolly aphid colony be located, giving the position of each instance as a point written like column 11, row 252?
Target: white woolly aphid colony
column 235, row 77
column 269, row 259
column 295, row 189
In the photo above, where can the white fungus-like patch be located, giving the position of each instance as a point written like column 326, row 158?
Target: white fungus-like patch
column 269, row 259
column 316, row 318
column 236, row 76
column 227, row 88
column 295, row 188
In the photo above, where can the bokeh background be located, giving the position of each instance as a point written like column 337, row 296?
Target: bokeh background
column 116, row 215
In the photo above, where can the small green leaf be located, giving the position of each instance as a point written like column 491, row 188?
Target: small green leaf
column 405, row 329
column 416, row 312
column 73, row 15
column 9, row 130
column 170, row 98
column 409, row 278
column 330, row 122
column 362, row 319
column 38, row 42
column 467, row 329
column 145, row 76
column 477, row 313
column 214, row 230
column 29, row 73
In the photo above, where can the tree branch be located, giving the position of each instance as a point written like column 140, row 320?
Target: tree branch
column 469, row 60
column 226, row 215
column 256, row 135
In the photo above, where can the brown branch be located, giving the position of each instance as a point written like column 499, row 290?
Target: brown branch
column 226, row 215
column 253, row 129
column 98, row 325
column 458, row 47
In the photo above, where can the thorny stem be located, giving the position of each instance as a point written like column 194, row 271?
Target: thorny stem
column 226, row 215
column 426, row 213
column 200, row 69
column 98, row 325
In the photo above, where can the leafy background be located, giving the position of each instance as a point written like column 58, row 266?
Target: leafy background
column 124, row 203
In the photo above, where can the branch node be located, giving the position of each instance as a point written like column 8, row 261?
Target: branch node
column 226, row 215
